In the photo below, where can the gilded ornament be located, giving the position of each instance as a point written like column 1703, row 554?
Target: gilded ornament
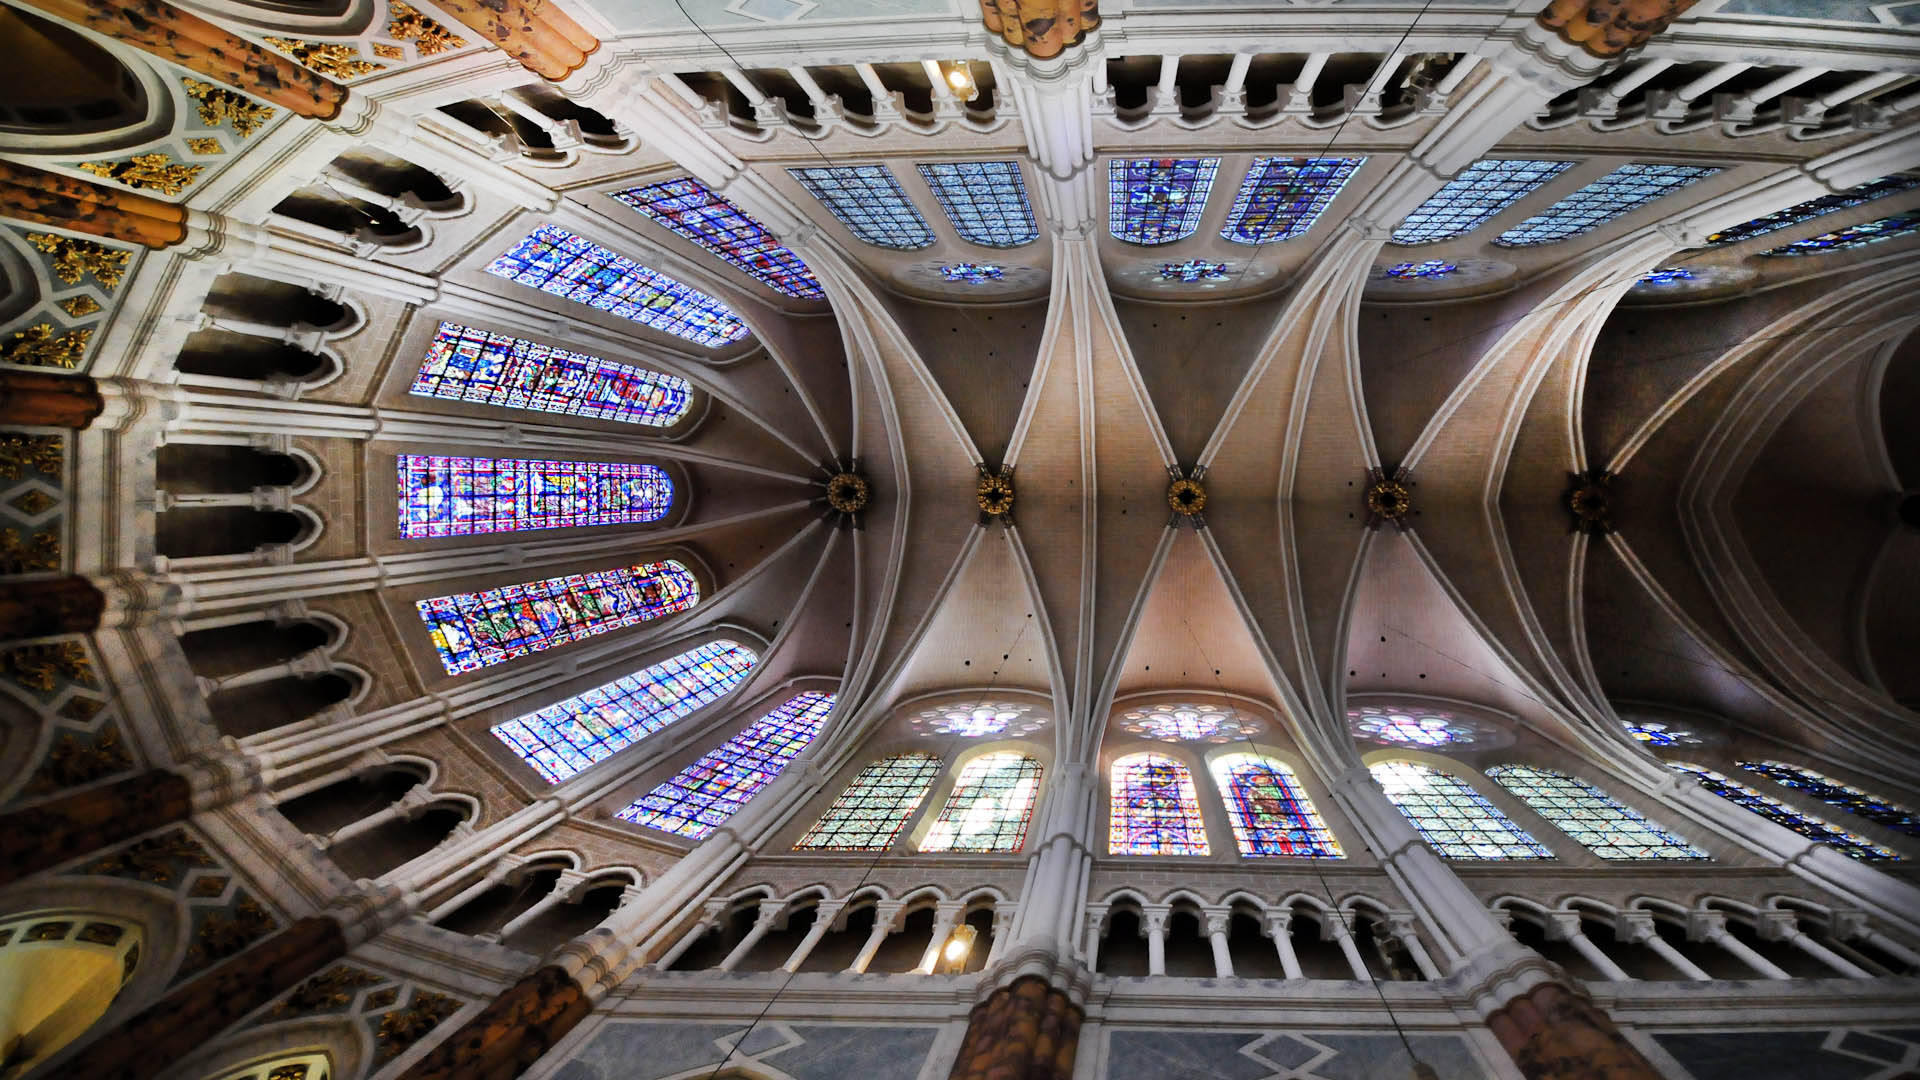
column 41, row 667
column 39, row 346
column 82, row 708
column 289, row 1072
column 159, row 860
column 222, row 933
column 994, row 494
column 380, row 999
column 1389, row 498
column 208, row 886
column 33, row 502
column 205, row 146
column 1589, row 502
column 101, row 933
column 74, row 259
column 1186, row 497
column 327, row 58
column 329, row 991
column 76, row 760
column 429, row 37
column 146, row 172
column 17, row 556
column 218, row 105
column 848, row 492
column 404, row 1027
column 389, row 52
column 37, row 453
column 79, row 306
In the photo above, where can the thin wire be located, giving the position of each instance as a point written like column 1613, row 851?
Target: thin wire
column 711, row 40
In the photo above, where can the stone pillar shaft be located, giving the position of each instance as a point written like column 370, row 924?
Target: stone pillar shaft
column 33, row 399
column 31, row 194
column 1025, row 1030
column 39, row 607
column 509, row 1035
column 541, row 37
column 1554, row 1035
column 48, row 833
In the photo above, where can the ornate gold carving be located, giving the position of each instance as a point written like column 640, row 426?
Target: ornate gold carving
column 218, row 105
column 222, row 934
column 330, row 990
column 33, row 502
column 48, row 931
column 82, row 708
column 848, row 492
column 39, row 453
column 208, row 886
column 79, row 306
column 1589, row 501
column 289, row 1072
column 76, row 759
column 37, row 346
column 74, row 259
column 17, row 556
column 404, row 1027
column 327, row 58
column 380, row 999
column 101, row 933
column 1389, row 499
column 206, row 146
column 39, row 667
column 994, row 494
column 429, row 37
column 146, row 172
column 1186, row 497
column 389, row 52
column 157, row 859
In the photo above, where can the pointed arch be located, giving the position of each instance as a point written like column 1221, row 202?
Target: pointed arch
column 464, row 364
column 991, row 804
column 870, row 813
column 702, row 796
column 1451, row 816
column 1270, row 812
column 1597, row 821
column 477, row 629
column 1154, row 808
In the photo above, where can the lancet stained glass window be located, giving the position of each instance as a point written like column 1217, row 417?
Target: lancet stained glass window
column 702, row 796
column 1153, row 808
column 1853, row 236
column 1473, row 198
column 555, row 261
column 868, row 201
column 691, row 209
column 567, row 736
column 462, row 496
column 1813, row 208
column 1458, row 821
column 875, row 807
column 985, row 200
column 476, row 629
column 991, row 804
column 1592, row 817
column 1620, row 192
column 464, row 364
column 1271, row 816
column 1850, row 844
column 1839, row 793
column 1281, row 198
column 1157, row 200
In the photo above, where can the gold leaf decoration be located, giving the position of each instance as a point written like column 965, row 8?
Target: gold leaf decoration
column 77, row 760
column 18, row 556
column 82, row 709
column 330, row 990
column 74, row 259
column 389, row 52
column 429, row 37
column 78, row 306
column 159, row 860
column 289, row 1072
column 208, row 886
column 327, row 58
column 218, row 105
column 146, row 172
column 39, row 346
column 206, row 146
column 32, row 502
column 222, row 934
column 402, row 1028
column 20, row 453
column 41, row 667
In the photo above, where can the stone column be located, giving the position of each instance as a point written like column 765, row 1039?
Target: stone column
column 46, row 834
column 1553, row 1034
column 944, row 918
column 1785, row 926
column 1096, row 928
column 41, row 607
column 1026, row 1030
column 769, row 914
column 563, row 887
column 1400, row 928
column 1280, row 925
column 823, row 915
column 1155, row 923
column 883, row 916
column 1217, row 924
column 511, row 1033
column 34, row 399
column 1565, row 926
column 1711, row 927
column 1636, row 928
column 1336, row 930
column 30, row 194
column 541, row 37
column 687, row 941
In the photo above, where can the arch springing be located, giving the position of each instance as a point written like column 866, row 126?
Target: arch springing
column 1473, row 198
column 464, row 364
column 555, row 261
column 868, row 201
column 985, row 200
column 1618, row 193
column 702, row 796
column 1153, row 808
column 1598, row 821
column 1281, row 198
column 991, row 803
column 474, row 630
column 567, row 736
column 463, row 496
column 1456, row 820
column 1157, row 200
column 690, row 208
column 1838, row 793
column 870, row 813
column 1850, row 844
column 1270, row 813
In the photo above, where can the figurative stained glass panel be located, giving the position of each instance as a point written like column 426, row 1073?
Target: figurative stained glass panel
column 476, row 629
column 969, row 273
column 1456, row 820
column 1429, row 268
column 1473, row 198
column 868, row 201
column 1839, row 793
column 1281, row 198
column 875, row 807
column 691, row 209
column 1666, row 275
column 1154, row 809
column 1813, row 208
column 1600, row 823
column 555, row 261
column 1157, row 200
column 462, row 496
column 1657, row 733
column 702, row 796
column 985, row 200
column 1193, row 270
column 1270, row 813
column 464, row 364
column 567, row 736
column 1620, row 192
column 1850, row 844
column 1852, row 236
column 991, row 803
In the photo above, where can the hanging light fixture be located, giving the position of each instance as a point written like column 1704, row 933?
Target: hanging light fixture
column 958, row 948
column 960, row 80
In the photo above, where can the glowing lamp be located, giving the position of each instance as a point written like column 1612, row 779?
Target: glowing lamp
column 958, row 946
column 960, row 79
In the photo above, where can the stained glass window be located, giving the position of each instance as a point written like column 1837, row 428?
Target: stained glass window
column 473, row 630
column 1271, row 816
column 556, row 261
column 702, row 796
column 991, row 803
column 1620, row 192
column 1154, row 809
column 1774, row 810
column 462, row 496
column 968, row 273
column 1157, row 200
column 1813, row 208
column 1666, row 275
column 985, row 200
column 1408, row 727
column 1655, row 733
column 875, row 807
column 1852, row 236
column 691, row 209
column 1189, row 723
column 869, row 202
column 1474, row 197
column 1430, row 268
column 1600, row 823
column 1456, row 820
column 1839, row 793
column 567, row 736
column 1193, row 270
column 975, row 720
column 464, row 364
column 1281, row 198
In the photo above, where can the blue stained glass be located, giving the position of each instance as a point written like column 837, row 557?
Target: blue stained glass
column 1813, row 208
column 462, row 496
column 567, row 736
column 702, row 796
column 691, row 209
column 555, row 261
column 868, row 201
column 464, row 364
column 1431, row 268
column 1838, row 793
column 1281, row 198
column 1154, row 809
column 1157, row 200
column 1774, row 810
column 973, row 273
column 1473, row 198
column 1852, row 236
column 1456, row 820
column 1666, row 275
column 476, row 629
column 1620, row 192
column 985, row 200
column 1271, row 816
column 1193, row 270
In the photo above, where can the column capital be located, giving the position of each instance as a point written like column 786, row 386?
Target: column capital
column 1633, row 927
column 1218, row 922
column 1706, row 925
column 1563, row 925
column 1777, row 925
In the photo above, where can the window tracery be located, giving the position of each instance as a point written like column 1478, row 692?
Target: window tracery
column 1153, row 808
column 867, row 199
column 985, row 200
column 991, row 803
column 1853, row 236
column 1157, row 200
column 1475, row 197
column 1838, row 793
column 474, row 630
column 464, row 364
column 974, row 720
column 555, row 261
column 1409, row 727
column 1614, row 195
column 568, row 736
column 1270, row 813
column 1813, row 208
column 1656, row 733
column 1189, row 723
column 462, row 496
column 1281, row 198
column 1596, row 820
column 870, row 813
column 1850, row 844
column 702, row 796
column 1451, row 816
column 690, row 208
